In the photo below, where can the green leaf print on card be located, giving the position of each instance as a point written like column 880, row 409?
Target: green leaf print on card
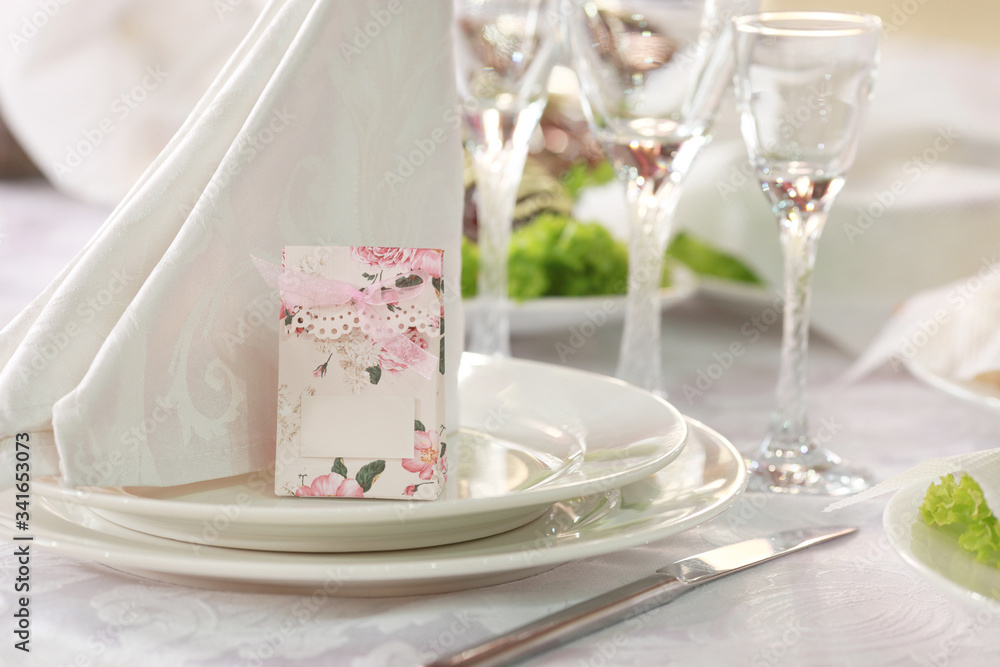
column 369, row 473
column 339, row 467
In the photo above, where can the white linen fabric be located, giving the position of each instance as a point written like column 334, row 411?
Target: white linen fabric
column 94, row 90
column 151, row 358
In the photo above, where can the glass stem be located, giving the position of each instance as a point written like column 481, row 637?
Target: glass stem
column 650, row 216
column 501, row 140
column 496, row 196
column 789, row 424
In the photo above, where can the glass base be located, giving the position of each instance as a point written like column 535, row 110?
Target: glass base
column 808, row 468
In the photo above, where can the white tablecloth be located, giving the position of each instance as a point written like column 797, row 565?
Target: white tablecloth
column 852, row 602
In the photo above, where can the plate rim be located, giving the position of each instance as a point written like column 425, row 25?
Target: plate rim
column 428, row 570
column 685, row 285
column 738, row 291
column 331, row 513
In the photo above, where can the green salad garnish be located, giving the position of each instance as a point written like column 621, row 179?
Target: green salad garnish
column 581, row 175
column 705, row 260
column 555, row 255
column 959, row 508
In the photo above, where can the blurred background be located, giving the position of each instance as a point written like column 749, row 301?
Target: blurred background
column 91, row 91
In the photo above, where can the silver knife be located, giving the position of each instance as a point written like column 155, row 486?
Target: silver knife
column 669, row 583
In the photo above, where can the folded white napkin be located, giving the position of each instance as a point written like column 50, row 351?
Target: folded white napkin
column 151, row 359
column 952, row 331
column 984, row 467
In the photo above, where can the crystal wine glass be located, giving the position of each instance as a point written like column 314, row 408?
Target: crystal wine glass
column 803, row 83
column 652, row 73
column 505, row 50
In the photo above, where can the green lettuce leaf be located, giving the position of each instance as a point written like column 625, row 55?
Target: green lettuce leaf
column 960, row 508
column 705, row 260
column 470, row 267
column 581, row 175
column 555, row 255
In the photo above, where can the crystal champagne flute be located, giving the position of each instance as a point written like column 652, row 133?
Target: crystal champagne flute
column 504, row 52
column 803, row 82
column 652, row 74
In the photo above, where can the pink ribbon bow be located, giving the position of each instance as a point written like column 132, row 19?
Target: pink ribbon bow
column 308, row 291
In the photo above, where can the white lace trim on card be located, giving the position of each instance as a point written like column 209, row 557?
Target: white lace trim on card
column 332, row 322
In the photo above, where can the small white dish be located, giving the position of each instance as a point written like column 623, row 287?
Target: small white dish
column 982, row 393
column 551, row 313
column 935, row 555
column 533, row 434
column 702, row 483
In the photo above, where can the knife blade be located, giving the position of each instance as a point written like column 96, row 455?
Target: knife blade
column 628, row 601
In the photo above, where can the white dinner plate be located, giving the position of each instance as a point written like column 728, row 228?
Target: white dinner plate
column 551, row 313
column 703, row 482
column 982, row 393
column 743, row 298
column 533, row 434
column 935, row 554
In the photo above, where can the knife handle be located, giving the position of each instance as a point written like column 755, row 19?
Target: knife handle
column 571, row 623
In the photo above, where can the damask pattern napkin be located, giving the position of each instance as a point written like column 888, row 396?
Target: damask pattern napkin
column 151, row 358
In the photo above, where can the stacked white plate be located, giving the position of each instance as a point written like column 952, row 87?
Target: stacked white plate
column 551, row 465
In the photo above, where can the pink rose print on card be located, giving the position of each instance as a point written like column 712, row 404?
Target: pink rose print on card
column 332, row 485
column 412, row 259
column 336, row 484
column 429, row 260
column 425, row 454
column 383, row 257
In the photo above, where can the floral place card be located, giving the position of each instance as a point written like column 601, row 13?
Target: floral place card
column 360, row 372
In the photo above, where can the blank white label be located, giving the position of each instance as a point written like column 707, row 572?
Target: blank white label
column 371, row 427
